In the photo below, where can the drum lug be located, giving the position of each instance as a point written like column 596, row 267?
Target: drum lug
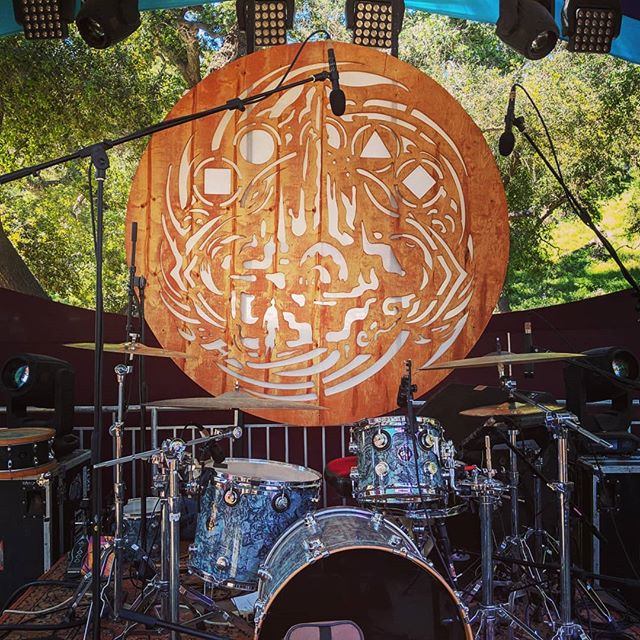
column 353, row 445
column 258, row 610
column 376, row 521
column 354, row 476
column 314, row 548
column 311, row 523
column 222, row 563
column 264, row 575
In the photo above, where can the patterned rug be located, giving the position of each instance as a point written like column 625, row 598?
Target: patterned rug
column 41, row 598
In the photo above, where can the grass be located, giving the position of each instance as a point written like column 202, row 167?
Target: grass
column 580, row 266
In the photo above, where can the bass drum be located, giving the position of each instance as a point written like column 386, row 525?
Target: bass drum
column 345, row 563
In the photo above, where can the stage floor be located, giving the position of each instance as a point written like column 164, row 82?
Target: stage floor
column 44, row 597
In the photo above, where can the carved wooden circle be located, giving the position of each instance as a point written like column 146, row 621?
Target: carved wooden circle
column 307, row 255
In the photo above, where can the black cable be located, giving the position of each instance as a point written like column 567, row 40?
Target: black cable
column 298, row 52
column 544, row 125
column 37, row 583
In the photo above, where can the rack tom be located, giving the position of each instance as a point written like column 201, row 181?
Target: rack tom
column 396, row 467
column 244, row 509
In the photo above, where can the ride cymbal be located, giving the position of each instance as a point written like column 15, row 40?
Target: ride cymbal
column 131, row 348
column 237, row 399
column 503, row 358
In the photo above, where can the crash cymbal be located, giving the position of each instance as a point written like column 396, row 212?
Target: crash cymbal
column 514, row 409
column 237, row 399
column 132, row 348
column 503, row 358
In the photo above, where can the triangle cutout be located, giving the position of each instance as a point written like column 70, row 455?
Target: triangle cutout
column 375, row 148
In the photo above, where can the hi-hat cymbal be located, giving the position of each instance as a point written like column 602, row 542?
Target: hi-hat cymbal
column 132, row 348
column 506, row 409
column 503, row 358
column 237, row 399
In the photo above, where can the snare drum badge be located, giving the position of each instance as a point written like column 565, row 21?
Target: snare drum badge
column 404, row 453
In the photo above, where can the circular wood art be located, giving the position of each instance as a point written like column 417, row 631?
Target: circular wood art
column 306, row 255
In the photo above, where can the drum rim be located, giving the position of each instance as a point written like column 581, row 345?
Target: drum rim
column 264, row 607
column 338, row 510
column 375, row 423
column 37, row 434
column 238, row 480
column 28, row 472
column 381, row 498
column 136, row 515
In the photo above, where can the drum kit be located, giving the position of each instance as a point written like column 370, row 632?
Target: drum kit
column 259, row 530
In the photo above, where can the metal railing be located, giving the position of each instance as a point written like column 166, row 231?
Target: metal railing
column 264, row 441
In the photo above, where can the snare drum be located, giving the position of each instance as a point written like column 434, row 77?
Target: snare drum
column 344, row 563
column 388, row 469
column 244, row 509
column 26, row 451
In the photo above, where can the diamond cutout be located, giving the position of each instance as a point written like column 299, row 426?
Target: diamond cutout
column 418, row 182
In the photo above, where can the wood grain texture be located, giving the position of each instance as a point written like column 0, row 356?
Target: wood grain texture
column 307, row 255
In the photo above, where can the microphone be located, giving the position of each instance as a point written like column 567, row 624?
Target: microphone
column 507, row 139
column 336, row 97
column 528, row 348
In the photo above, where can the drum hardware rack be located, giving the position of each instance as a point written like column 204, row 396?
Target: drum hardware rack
column 559, row 424
column 167, row 588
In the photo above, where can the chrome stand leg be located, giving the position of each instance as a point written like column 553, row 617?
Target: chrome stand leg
column 489, row 613
column 567, row 628
column 173, row 508
column 116, row 431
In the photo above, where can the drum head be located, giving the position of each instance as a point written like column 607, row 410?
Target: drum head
column 261, row 470
column 389, row 596
column 132, row 508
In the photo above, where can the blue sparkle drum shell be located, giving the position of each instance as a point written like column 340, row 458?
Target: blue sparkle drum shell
column 394, row 467
column 346, row 563
column 132, row 522
column 243, row 511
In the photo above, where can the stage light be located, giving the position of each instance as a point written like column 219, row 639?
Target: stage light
column 44, row 19
column 265, row 22
column 30, row 382
column 376, row 23
column 591, row 25
column 528, row 27
column 606, row 374
column 102, row 23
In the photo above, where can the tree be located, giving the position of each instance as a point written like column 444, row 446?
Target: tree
column 55, row 97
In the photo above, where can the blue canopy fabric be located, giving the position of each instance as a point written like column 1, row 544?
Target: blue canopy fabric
column 626, row 45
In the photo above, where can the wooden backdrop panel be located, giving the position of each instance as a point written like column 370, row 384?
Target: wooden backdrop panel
column 307, row 255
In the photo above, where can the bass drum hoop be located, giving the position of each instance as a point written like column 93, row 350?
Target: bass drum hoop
column 272, row 597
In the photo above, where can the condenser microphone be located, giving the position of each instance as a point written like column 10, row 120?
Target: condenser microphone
column 507, row 139
column 528, row 348
column 336, row 97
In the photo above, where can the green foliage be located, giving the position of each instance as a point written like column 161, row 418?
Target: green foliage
column 55, row 97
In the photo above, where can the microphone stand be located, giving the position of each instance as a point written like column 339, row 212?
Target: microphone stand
column 584, row 215
column 98, row 154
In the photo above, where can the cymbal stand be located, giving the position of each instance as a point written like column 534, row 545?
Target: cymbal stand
column 116, row 430
column 516, row 544
column 489, row 612
column 558, row 425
